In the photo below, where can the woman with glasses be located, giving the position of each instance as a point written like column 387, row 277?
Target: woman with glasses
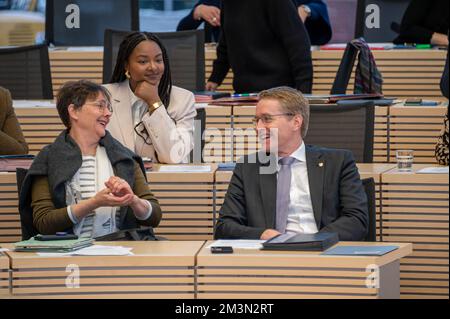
column 151, row 117
column 86, row 182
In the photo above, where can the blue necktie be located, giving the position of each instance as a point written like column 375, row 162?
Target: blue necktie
column 283, row 192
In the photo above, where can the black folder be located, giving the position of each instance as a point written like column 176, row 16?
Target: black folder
column 305, row 242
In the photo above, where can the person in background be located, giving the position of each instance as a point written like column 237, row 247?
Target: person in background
column 314, row 14
column 425, row 22
column 86, row 182
column 441, row 151
column 310, row 189
column 12, row 141
column 266, row 45
column 152, row 117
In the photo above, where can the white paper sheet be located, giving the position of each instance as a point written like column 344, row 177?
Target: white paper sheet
column 94, row 250
column 34, row 103
column 184, row 169
column 434, row 170
column 238, row 244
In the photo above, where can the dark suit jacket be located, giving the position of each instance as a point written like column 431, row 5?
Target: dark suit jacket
column 338, row 198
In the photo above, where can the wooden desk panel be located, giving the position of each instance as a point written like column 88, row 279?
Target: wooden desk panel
column 406, row 73
column 374, row 171
column 415, row 128
column 416, row 210
column 218, row 135
column 4, row 276
column 40, row 126
column 157, row 270
column 10, row 229
column 288, row 274
column 73, row 65
column 187, row 203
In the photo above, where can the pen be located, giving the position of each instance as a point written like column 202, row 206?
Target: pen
column 244, row 95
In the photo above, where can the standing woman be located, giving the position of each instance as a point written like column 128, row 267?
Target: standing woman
column 151, row 117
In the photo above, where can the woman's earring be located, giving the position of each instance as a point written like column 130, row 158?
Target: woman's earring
column 127, row 74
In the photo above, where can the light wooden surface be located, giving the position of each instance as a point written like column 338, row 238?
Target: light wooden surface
column 218, row 134
column 415, row 128
column 40, row 126
column 406, row 73
column 230, row 132
column 75, row 64
column 416, row 210
column 160, row 269
column 187, row 202
column 286, row 274
column 10, row 229
column 4, row 276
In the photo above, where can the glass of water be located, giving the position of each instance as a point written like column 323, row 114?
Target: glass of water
column 405, row 159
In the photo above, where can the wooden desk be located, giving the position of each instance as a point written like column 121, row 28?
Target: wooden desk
column 415, row 128
column 416, row 210
column 375, row 171
column 10, row 229
column 4, row 276
column 218, row 135
column 72, row 64
column 157, row 270
column 406, row 73
column 39, row 121
column 187, row 202
column 272, row 274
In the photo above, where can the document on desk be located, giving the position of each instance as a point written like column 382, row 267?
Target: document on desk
column 94, row 250
column 185, row 169
column 434, row 170
column 359, row 250
column 34, row 104
column 238, row 243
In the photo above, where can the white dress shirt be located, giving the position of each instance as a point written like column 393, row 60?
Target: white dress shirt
column 300, row 211
column 138, row 109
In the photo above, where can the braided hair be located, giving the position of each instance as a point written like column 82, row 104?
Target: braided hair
column 129, row 43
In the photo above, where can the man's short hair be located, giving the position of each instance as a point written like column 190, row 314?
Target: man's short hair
column 292, row 101
column 77, row 93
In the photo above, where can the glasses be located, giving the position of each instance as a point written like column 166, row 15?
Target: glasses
column 268, row 118
column 102, row 106
column 140, row 131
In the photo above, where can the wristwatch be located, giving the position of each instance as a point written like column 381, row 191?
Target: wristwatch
column 307, row 9
column 152, row 108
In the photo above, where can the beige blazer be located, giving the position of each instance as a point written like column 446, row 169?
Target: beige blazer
column 169, row 131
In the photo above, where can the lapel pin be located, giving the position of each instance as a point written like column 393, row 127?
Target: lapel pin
column 321, row 164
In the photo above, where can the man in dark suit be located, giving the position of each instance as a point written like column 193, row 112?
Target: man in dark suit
column 300, row 189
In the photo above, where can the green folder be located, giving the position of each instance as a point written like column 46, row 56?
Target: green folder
column 33, row 245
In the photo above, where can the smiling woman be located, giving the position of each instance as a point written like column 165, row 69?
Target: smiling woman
column 86, row 182
column 151, row 116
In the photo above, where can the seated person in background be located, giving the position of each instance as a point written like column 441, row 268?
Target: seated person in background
column 314, row 14
column 86, row 182
column 316, row 189
column 442, row 153
column 425, row 22
column 152, row 117
column 12, row 141
column 266, row 45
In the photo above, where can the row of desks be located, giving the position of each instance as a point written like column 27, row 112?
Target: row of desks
column 406, row 73
column 410, row 208
column 230, row 133
column 189, row 270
